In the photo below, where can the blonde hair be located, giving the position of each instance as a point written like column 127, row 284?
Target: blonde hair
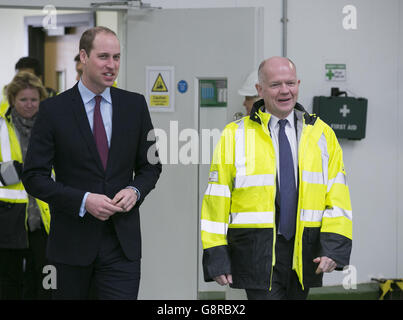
column 25, row 80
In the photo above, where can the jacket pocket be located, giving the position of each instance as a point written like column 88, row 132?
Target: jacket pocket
column 250, row 253
column 12, row 225
column 242, row 247
column 310, row 251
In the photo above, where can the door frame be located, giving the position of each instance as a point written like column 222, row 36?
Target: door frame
column 35, row 23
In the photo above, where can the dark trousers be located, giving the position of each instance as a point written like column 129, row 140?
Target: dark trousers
column 35, row 260
column 11, row 273
column 111, row 276
column 285, row 284
column 24, row 282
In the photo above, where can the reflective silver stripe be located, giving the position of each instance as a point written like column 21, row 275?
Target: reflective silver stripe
column 340, row 178
column 218, row 190
column 9, row 173
column 13, row 194
column 240, row 160
column 5, row 141
column 312, row 177
column 6, row 156
column 338, row 212
column 311, row 215
column 214, row 227
column 241, row 150
column 254, row 181
column 322, row 143
column 251, row 217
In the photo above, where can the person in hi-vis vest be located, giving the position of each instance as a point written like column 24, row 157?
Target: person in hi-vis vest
column 24, row 220
column 276, row 213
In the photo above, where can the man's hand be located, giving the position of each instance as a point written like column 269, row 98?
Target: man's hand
column 224, row 279
column 325, row 264
column 100, row 206
column 125, row 199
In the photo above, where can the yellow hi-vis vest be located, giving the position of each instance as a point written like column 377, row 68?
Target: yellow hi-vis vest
column 4, row 105
column 10, row 149
column 241, row 194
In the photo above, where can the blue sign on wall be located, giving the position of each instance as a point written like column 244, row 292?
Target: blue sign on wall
column 182, row 86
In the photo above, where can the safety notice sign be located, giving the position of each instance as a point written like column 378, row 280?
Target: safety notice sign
column 335, row 72
column 160, row 88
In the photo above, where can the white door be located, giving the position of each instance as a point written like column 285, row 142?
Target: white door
column 198, row 44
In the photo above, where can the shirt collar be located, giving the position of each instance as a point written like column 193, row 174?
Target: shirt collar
column 87, row 95
column 274, row 120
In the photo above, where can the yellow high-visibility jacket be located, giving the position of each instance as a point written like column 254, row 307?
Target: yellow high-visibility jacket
column 4, row 105
column 13, row 198
column 238, row 217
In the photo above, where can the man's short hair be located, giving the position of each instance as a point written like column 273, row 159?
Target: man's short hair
column 87, row 38
column 29, row 63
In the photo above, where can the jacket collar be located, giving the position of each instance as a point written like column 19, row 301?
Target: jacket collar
column 80, row 114
column 298, row 108
column 7, row 114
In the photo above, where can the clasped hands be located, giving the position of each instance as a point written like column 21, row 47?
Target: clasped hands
column 102, row 207
column 325, row 265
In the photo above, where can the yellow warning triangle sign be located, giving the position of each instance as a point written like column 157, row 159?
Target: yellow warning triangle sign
column 159, row 85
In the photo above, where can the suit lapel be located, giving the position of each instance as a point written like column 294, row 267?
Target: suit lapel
column 83, row 124
column 117, row 128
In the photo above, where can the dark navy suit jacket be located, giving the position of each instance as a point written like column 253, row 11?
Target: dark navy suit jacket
column 62, row 139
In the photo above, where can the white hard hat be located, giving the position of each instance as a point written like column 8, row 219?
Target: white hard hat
column 248, row 88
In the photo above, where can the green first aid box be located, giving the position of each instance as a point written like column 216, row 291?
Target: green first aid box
column 347, row 116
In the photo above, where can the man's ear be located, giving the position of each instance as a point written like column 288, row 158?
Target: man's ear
column 83, row 56
column 258, row 89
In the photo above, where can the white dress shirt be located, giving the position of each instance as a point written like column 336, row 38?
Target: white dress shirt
column 292, row 138
column 88, row 98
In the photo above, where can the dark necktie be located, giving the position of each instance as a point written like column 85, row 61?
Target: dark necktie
column 288, row 190
column 101, row 139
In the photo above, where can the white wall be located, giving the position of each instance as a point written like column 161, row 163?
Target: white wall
column 399, row 175
column 317, row 36
column 107, row 19
column 272, row 15
column 13, row 49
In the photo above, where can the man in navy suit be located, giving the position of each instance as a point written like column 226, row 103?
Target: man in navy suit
column 96, row 138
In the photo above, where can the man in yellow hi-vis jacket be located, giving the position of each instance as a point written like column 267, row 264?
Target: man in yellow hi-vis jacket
column 276, row 213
